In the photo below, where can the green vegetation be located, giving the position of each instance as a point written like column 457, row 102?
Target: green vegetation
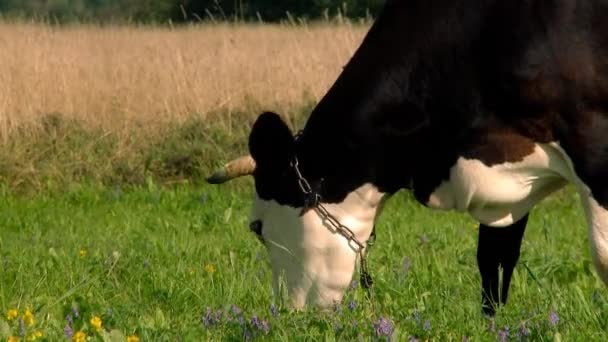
column 150, row 260
column 187, row 10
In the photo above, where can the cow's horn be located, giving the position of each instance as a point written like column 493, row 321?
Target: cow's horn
column 241, row 166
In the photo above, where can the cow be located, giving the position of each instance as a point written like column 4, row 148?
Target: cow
column 480, row 106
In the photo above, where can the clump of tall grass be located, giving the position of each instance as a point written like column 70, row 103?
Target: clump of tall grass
column 88, row 102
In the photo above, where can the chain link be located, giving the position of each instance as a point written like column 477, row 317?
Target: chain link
column 326, row 216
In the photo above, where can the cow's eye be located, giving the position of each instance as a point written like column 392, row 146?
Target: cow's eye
column 256, row 227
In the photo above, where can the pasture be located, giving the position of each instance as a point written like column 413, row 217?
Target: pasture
column 108, row 229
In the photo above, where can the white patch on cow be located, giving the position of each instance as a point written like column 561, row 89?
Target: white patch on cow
column 502, row 194
column 317, row 262
column 597, row 218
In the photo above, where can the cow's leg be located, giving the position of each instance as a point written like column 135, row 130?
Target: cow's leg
column 498, row 247
column 597, row 219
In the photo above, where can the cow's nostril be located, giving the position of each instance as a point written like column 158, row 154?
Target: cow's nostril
column 256, row 227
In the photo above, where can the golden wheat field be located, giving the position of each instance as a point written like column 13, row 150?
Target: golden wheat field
column 113, row 77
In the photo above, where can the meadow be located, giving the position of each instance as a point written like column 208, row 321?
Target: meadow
column 109, row 233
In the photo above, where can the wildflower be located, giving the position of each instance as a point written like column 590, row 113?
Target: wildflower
column 22, row 328
column 337, row 307
column 28, row 318
column 523, row 331
column 82, row 253
column 69, row 319
column 383, row 327
column 273, row 310
column 96, row 322
column 208, row 318
column 427, row 325
column 236, row 310
column 503, row 334
column 79, row 337
column 338, row 326
column 352, row 305
column 36, row 335
column 146, row 264
column 264, row 326
column 67, row 331
column 13, row 339
column 553, row 318
column 109, row 312
column 133, row 338
column 255, row 321
column 414, row 339
column 210, row 268
column 353, row 284
column 218, row 316
column 12, row 314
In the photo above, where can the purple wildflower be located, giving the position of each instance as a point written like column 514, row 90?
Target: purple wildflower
column 353, row 284
column 264, row 326
column 338, row 326
column 67, row 331
column 273, row 310
column 218, row 316
column 337, row 307
column 236, row 310
column 503, row 334
column 523, row 331
column 383, row 327
column 352, row 305
column 255, row 321
column 21, row 328
column 553, row 318
column 146, row 264
column 427, row 325
column 208, row 318
column 70, row 320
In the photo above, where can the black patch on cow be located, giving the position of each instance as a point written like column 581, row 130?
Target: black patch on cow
column 272, row 146
column 435, row 80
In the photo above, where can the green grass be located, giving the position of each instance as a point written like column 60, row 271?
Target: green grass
column 146, row 270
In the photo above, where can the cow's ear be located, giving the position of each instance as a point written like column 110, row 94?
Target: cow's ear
column 271, row 142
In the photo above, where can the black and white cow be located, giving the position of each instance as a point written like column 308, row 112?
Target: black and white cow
column 479, row 106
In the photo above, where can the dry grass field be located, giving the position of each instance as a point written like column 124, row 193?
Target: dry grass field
column 113, row 77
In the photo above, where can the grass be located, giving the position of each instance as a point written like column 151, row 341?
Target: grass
column 105, row 136
column 122, row 78
column 150, row 261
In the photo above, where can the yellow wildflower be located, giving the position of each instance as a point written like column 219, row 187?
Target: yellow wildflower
column 133, row 338
column 96, row 322
column 83, row 252
column 35, row 336
column 28, row 318
column 12, row 314
column 13, row 339
column 79, row 337
column 210, row 268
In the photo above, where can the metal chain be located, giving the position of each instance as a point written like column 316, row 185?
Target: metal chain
column 347, row 233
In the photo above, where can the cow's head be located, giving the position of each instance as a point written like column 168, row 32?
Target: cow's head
column 314, row 262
